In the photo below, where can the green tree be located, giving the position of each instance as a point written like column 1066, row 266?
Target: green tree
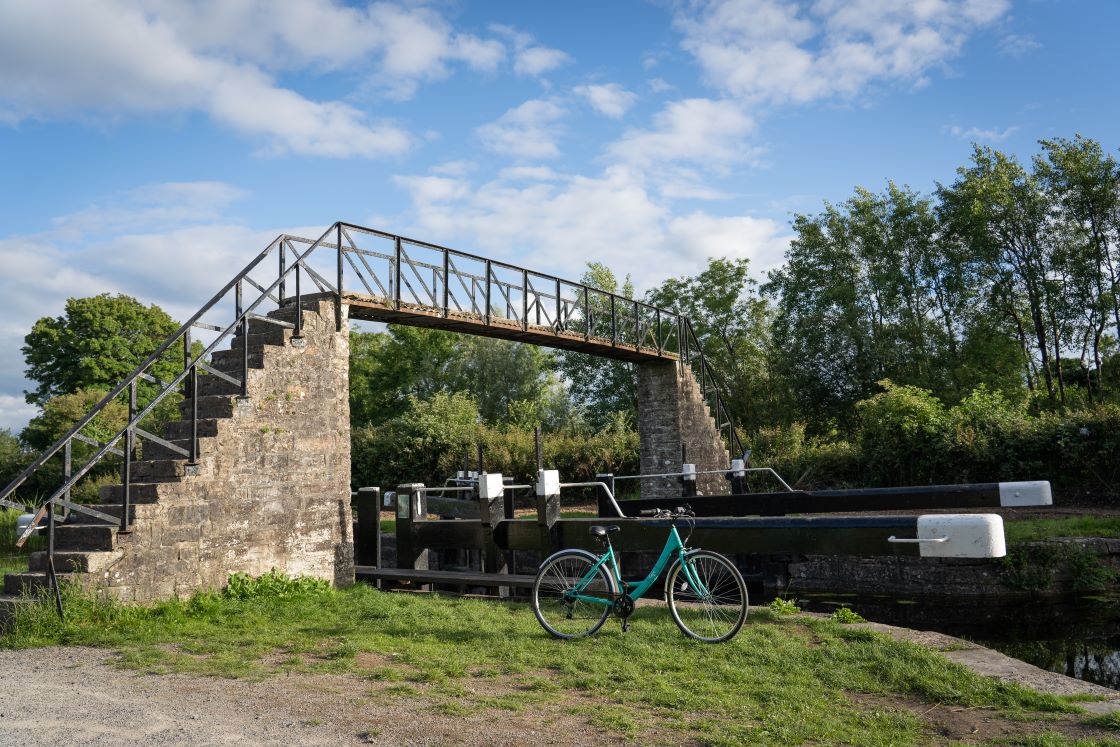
column 1004, row 212
column 732, row 325
column 1083, row 185
column 600, row 387
column 13, row 456
column 391, row 370
column 96, row 344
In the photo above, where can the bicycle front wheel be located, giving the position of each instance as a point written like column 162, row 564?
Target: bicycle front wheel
column 709, row 601
column 554, row 590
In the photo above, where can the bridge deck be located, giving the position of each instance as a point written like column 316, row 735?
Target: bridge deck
column 380, row 309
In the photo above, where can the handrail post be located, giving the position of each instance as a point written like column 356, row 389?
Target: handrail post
column 237, row 300
column 682, row 339
column 126, row 468
column 194, row 412
column 586, row 314
column 338, row 287
column 67, row 467
column 446, row 282
column 52, row 576
column 283, row 261
column 397, row 275
column 186, row 363
column 614, row 322
column 658, row 334
column 637, row 327
column 486, row 316
column 245, row 357
column 298, row 333
column 559, row 325
column 524, row 300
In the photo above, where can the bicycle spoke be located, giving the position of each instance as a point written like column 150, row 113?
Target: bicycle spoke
column 711, row 609
column 554, row 596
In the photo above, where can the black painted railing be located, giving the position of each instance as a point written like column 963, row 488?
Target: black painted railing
column 399, row 273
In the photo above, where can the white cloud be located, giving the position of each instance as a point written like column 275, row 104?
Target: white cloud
column 169, row 244
column 151, row 207
column 761, row 240
column 529, row 58
column 1018, row 45
column 526, row 131
column 564, row 221
column 700, row 131
column 609, row 99
column 993, row 134
column 117, row 58
column 15, row 412
column 454, row 168
column 780, row 51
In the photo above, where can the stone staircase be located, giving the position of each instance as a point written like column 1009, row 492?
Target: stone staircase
column 271, row 488
column 672, row 411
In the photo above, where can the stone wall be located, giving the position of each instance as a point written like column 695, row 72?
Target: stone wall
column 1048, row 568
column 671, row 413
column 272, row 488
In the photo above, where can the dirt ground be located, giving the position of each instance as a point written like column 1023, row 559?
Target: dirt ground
column 76, row 696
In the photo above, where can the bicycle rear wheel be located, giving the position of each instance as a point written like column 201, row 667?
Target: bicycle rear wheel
column 554, row 604
column 714, row 610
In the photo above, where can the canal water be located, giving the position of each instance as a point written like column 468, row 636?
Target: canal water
column 1077, row 637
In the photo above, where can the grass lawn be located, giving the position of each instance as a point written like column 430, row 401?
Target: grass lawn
column 788, row 680
column 1032, row 530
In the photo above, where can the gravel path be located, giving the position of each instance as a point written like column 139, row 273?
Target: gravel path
column 74, row 696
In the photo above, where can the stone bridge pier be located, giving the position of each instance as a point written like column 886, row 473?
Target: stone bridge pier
column 672, row 414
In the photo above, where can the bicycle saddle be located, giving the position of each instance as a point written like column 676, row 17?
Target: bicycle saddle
column 598, row 531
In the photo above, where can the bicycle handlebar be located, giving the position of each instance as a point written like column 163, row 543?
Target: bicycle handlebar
column 664, row 513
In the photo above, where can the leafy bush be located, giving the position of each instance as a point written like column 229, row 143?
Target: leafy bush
column 907, row 436
column 784, row 606
column 430, row 440
column 273, row 585
column 901, row 434
column 847, row 616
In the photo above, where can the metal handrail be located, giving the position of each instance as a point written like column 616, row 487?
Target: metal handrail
column 665, row 327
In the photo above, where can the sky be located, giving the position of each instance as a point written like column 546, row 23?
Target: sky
column 152, row 147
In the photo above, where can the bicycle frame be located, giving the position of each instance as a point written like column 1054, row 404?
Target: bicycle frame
column 673, row 546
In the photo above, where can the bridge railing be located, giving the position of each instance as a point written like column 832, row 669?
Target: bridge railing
column 400, row 273
column 420, row 277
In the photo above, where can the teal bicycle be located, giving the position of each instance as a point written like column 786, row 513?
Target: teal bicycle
column 575, row 590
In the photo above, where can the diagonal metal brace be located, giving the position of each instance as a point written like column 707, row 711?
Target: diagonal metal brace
column 94, row 442
column 84, row 509
column 220, row 374
column 162, row 442
column 270, row 320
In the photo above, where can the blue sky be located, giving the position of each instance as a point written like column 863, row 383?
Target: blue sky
column 151, row 146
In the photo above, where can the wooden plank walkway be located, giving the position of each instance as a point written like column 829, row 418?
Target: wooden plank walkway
column 379, row 309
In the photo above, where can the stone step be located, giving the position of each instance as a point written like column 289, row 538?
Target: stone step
column 76, row 561
column 209, row 384
column 262, row 333
column 142, row 492
column 31, row 582
column 152, row 450
column 159, row 470
column 209, row 406
column 113, row 509
column 85, row 537
column 229, row 361
column 180, row 430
